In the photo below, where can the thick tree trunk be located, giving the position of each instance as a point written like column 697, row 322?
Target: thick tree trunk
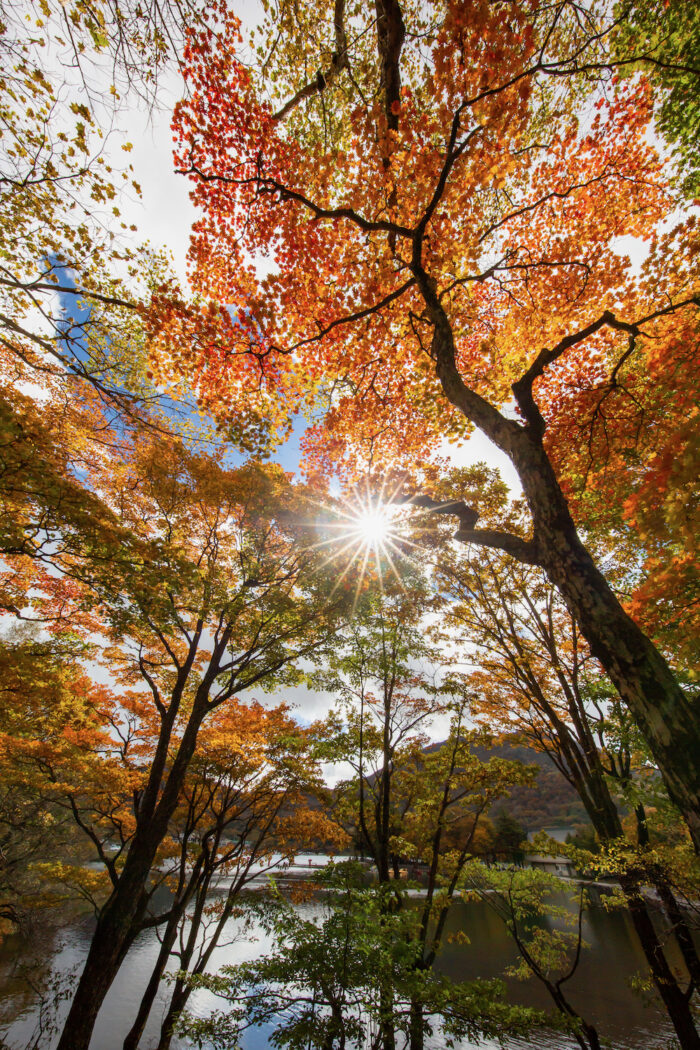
column 602, row 811
column 114, row 933
column 335, row 1035
column 103, row 961
column 642, row 677
column 644, row 680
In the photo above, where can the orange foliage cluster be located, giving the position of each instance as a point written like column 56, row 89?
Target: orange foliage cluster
column 517, row 239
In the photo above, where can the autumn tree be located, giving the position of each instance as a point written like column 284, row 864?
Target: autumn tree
column 48, row 704
column 664, row 40
column 245, row 810
column 406, row 795
column 522, row 899
column 508, row 837
column 75, row 281
column 200, row 587
column 444, row 786
column 536, row 678
column 440, row 204
column 388, row 694
column 60, row 194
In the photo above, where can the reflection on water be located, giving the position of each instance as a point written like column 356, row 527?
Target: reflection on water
column 600, row 987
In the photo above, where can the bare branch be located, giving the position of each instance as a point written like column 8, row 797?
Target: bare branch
column 524, row 550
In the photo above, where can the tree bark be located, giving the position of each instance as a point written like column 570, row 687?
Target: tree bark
column 110, row 943
column 119, row 920
column 663, row 712
column 681, row 929
column 386, row 1022
column 416, row 1032
column 675, row 1001
column 674, row 912
column 640, row 674
column 602, row 811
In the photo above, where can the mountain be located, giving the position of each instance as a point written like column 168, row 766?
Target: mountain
column 550, row 802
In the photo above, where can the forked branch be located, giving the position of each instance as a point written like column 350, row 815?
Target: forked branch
column 522, row 388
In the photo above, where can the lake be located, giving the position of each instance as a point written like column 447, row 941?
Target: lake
column 600, row 988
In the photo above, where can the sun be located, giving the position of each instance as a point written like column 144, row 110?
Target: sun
column 373, row 526
column 365, row 533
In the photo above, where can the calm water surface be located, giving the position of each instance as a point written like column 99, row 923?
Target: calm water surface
column 600, row 987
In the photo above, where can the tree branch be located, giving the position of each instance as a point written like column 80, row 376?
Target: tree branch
column 524, row 550
column 522, row 388
column 267, row 184
column 323, row 79
column 65, row 289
